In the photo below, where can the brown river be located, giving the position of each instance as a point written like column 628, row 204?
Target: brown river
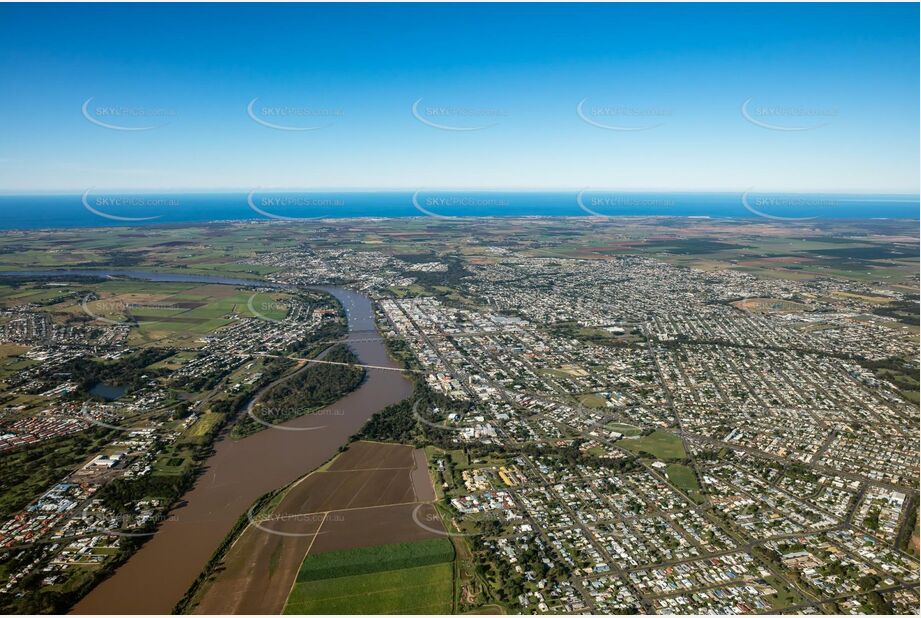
column 154, row 579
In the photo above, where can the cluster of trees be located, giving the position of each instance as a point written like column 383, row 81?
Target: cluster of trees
column 400, row 350
column 116, row 258
column 570, row 456
column 395, row 423
column 27, row 471
column 875, row 604
column 903, row 374
column 126, row 371
column 417, row 258
column 903, row 537
column 122, row 493
column 905, row 311
column 507, row 584
column 449, row 278
column 271, row 371
column 41, row 599
column 399, row 422
column 572, row 330
column 310, row 389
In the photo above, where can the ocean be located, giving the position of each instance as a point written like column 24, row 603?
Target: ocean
column 100, row 209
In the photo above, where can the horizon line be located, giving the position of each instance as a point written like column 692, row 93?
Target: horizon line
column 520, row 190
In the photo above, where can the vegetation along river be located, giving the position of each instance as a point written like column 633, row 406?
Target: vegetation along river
column 156, row 577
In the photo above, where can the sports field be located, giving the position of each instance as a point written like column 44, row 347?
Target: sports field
column 404, row 578
column 658, row 444
column 683, row 478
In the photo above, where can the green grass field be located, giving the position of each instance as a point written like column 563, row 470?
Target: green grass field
column 624, row 428
column 683, row 478
column 658, row 444
column 785, row 596
column 201, row 427
column 592, row 401
column 404, row 578
column 420, row 590
column 378, row 558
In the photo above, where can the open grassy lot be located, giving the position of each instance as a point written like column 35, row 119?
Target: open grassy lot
column 415, row 577
column 785, row 595
column 683, row 478
column 769, row 305
column 173, row 362
column 10, row 360
column 202, row 427
column 624, row 428
column 593, row 401
column 658, row 444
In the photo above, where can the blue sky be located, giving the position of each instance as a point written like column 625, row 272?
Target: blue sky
column 832, row 93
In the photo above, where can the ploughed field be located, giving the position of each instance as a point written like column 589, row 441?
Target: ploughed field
column 373, row 494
